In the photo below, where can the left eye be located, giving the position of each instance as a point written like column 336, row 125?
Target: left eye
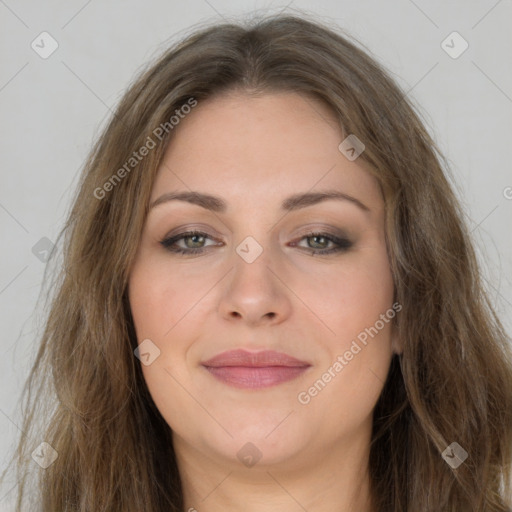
column 194, row 243
column 322, row 240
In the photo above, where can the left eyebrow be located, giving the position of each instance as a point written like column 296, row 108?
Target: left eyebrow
column 298, row 201
column 294, row 202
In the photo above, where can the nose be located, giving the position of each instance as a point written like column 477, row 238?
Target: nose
column 256, row 293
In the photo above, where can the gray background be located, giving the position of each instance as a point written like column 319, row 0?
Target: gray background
column 52, row 109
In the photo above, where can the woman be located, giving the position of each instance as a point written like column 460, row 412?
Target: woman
column 270, row 300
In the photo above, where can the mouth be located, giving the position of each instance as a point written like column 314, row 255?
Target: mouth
column 255, row 370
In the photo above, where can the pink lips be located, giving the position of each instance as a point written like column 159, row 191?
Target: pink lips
column 254, row 370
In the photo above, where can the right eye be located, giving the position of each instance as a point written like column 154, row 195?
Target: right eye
column 193, row 242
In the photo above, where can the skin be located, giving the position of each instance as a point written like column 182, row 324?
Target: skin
column 254, row 152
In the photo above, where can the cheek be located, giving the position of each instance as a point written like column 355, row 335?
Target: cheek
column 160, row 297
column 351, row 296
column 169, row 307
column 159, row 304
column 358, row 308
column 346, row 297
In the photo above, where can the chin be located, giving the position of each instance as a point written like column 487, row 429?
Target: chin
column 270, row 442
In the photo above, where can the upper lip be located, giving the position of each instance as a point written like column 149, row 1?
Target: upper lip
column 261, row 359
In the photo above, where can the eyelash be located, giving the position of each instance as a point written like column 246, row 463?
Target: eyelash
column 343, row 243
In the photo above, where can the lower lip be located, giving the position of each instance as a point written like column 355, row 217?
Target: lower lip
column 255, row 377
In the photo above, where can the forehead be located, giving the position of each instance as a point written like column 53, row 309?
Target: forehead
column 263, row 147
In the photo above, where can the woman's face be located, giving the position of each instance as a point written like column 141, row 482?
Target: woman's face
column 275, row 267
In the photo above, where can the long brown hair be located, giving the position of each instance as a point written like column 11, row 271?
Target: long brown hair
column 451, row 383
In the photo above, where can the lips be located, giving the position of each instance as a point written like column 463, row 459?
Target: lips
column 254, row 359
column 243, row 369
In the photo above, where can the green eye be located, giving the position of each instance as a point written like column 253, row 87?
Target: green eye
column 194, row 243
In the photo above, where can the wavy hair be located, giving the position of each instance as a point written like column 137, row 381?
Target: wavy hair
column 452, row 381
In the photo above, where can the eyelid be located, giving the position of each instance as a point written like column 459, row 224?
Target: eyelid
column 341, row 242
column 173, row 238
column 205, row 229
column 322, row 229
column 301, row 232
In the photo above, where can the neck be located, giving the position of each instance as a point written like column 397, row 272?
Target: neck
column 336, row 480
